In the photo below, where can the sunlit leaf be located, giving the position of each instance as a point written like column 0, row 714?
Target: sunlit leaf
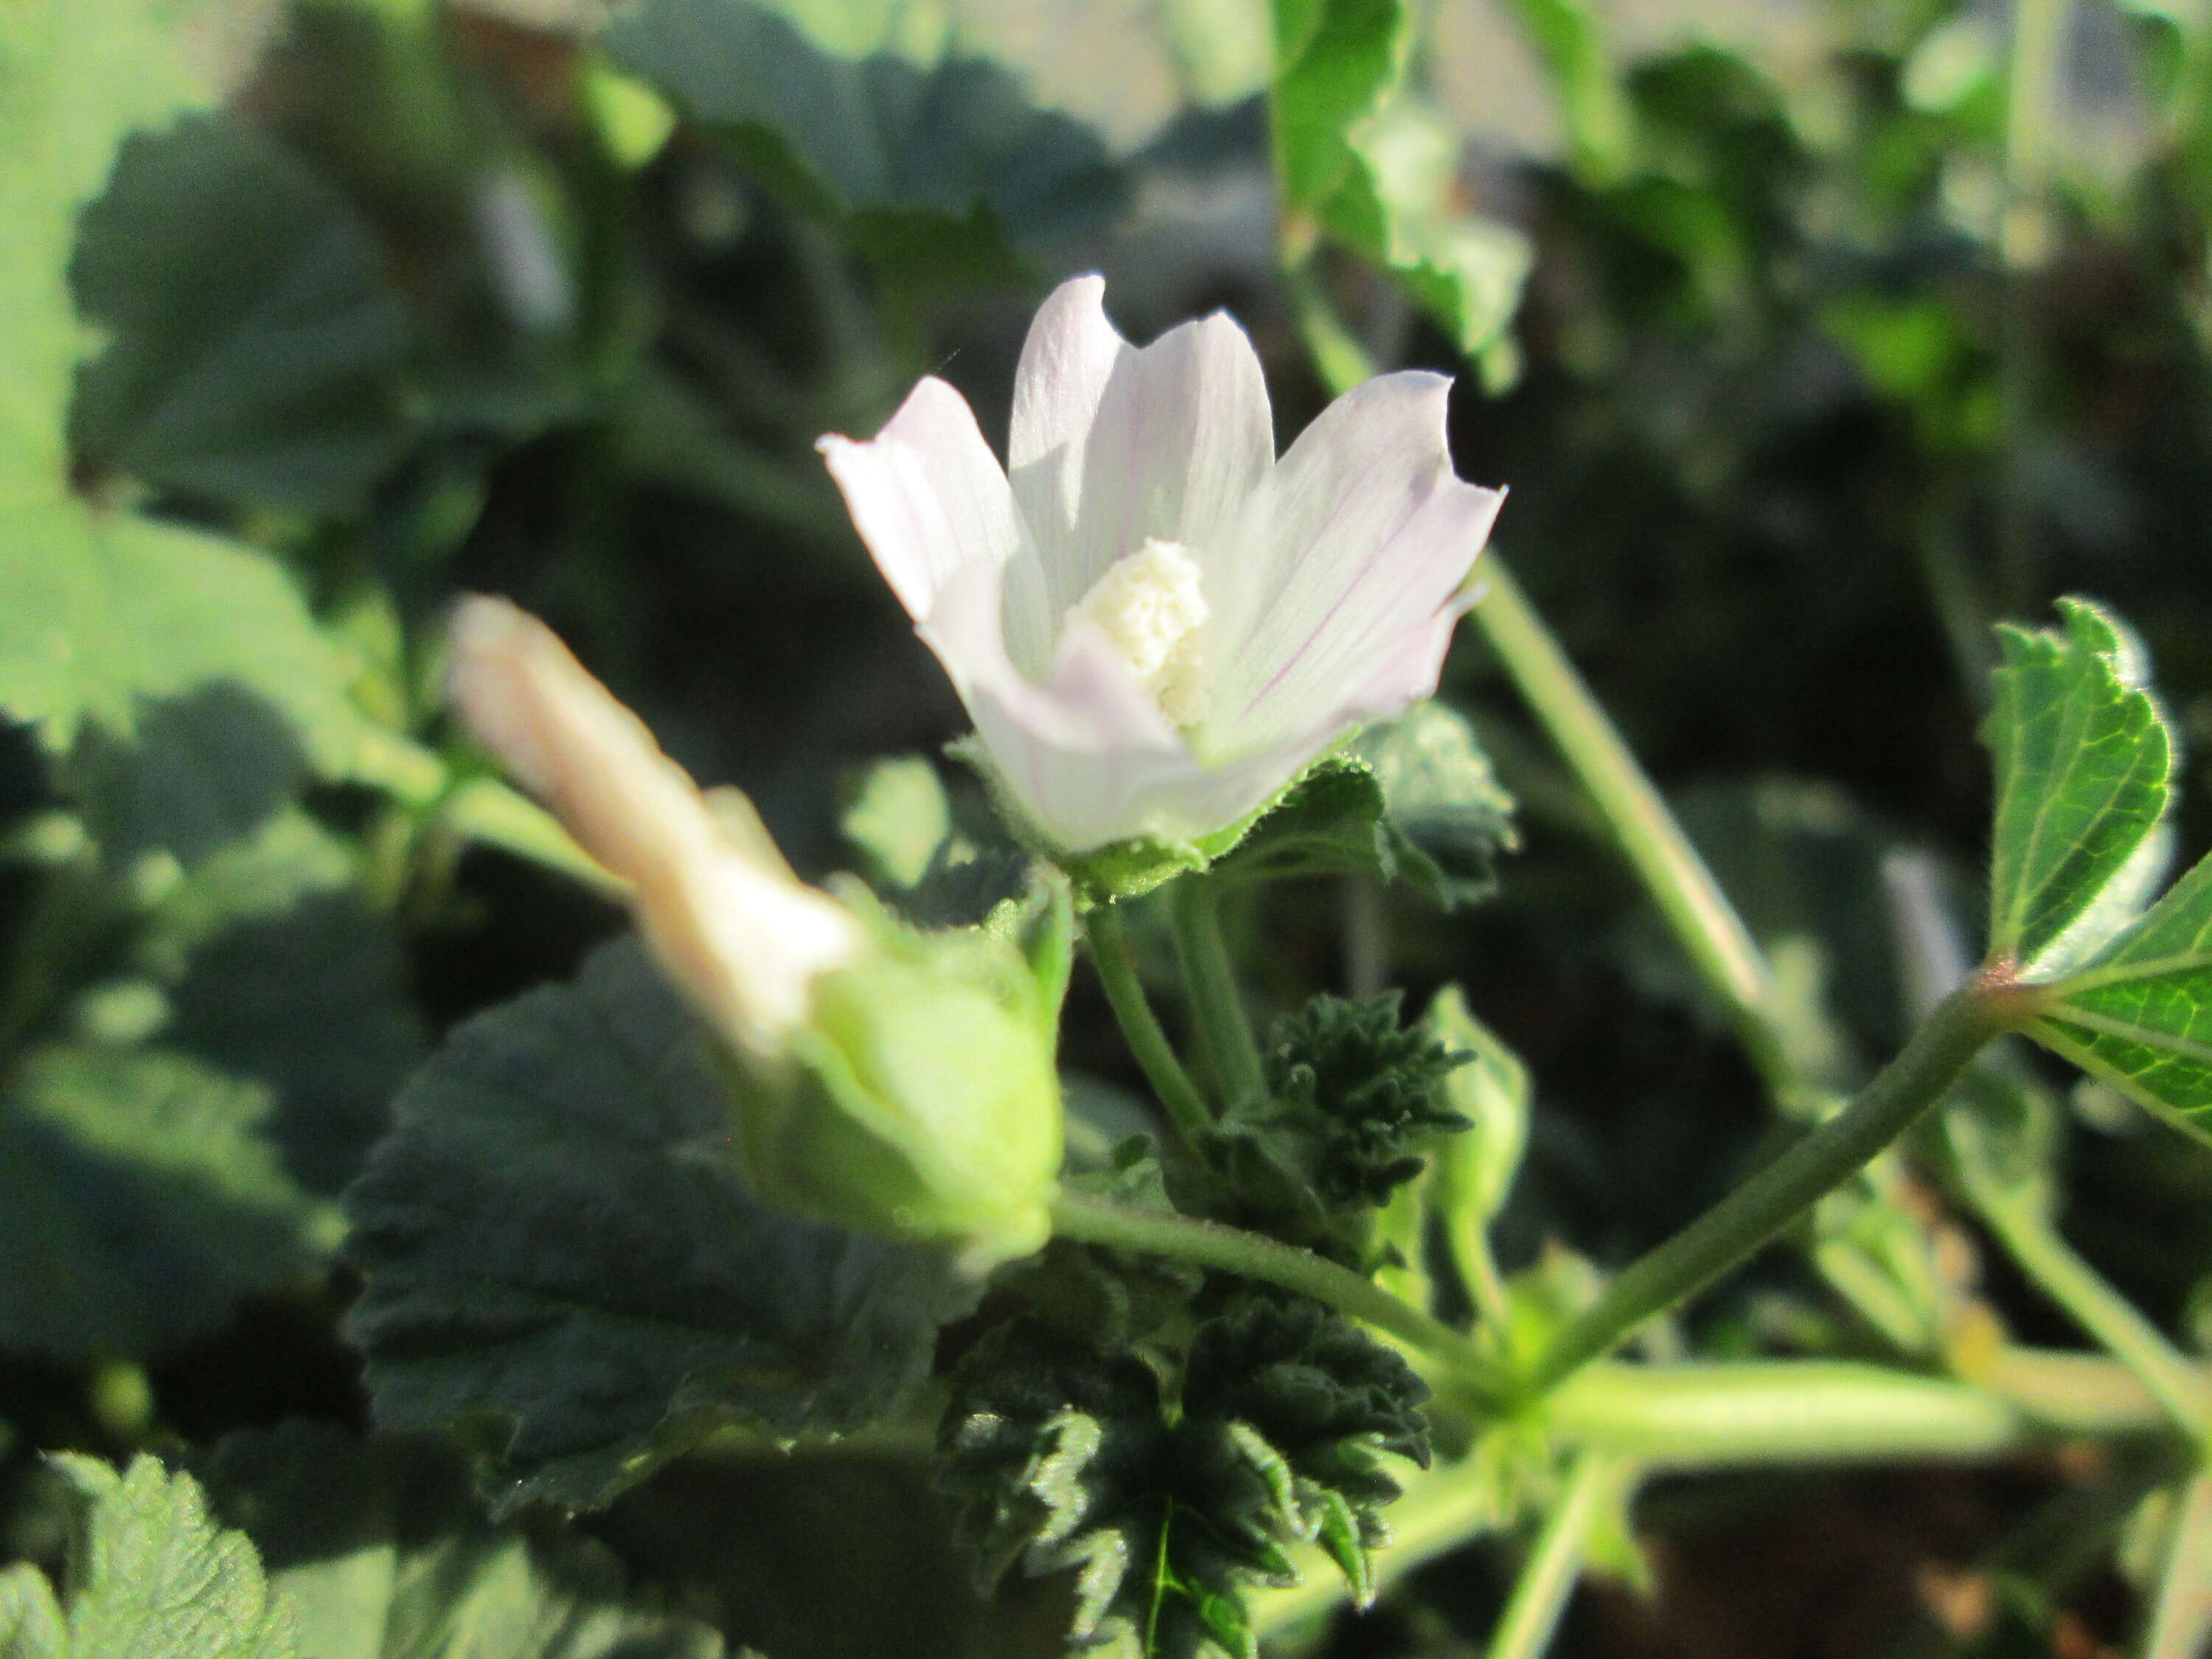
column 562, row 1256
column 2139, row 1013
column 381, row 1552
column 1363, row 161
column 150, row 1576
column 2082, row 758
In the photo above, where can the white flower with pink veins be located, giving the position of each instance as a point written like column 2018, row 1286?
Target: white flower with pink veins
column 1155, row 625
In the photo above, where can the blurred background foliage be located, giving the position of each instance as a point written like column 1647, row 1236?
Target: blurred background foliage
column 1810, row 338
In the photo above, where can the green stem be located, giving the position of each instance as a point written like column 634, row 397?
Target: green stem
column 1548, row 1578
column 2181, row 1618
column 1194, row 913
column 1784, row 1189
column 2037, row 1246
column 1758, row 1413
column 1156, row 1055
column 1210, row 1244
column 1721, row 948
column 1763, row 1412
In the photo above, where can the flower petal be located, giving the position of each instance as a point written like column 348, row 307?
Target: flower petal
column 740, row 935
column 927, row 495
column 1112, row 444
column 1087, row 753
column 1334, row 605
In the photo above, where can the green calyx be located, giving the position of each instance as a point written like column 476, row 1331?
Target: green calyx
column 921, row 1098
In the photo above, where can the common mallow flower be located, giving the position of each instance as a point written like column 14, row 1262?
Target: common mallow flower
column 884, row 1079
column 1155, row 624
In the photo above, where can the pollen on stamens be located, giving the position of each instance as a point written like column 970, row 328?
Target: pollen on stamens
column 1151, row 606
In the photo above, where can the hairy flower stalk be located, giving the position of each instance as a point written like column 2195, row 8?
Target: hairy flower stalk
column 883, row 1078
column 1155, row 624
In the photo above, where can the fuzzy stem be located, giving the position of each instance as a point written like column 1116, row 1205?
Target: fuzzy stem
column 1117, row 972
column 1720, row 947
column 1784, row 1189
column 1210, row 1244
column 1540, row 1595
column 2181, row 1618
column 1224, row 1028
column 2042, row 1254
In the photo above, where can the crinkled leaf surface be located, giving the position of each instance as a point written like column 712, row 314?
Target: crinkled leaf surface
column 874, row 137
column 2082, row 756
column 1415, row 800
column 139, row 1198
column 1364, row 160
column 2139, row 1015
column 561, row 1253
column 382, row 1552
column 151, row 1576
column 1063, row 1459
column 253, row 339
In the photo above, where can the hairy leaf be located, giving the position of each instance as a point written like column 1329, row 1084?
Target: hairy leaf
column 151, row 1576
column 562, row 1253
column 2082, row 756
column 382, row 1552
column 1415, row 800
column 1062, row 1458
column 1354, row 1099
column 2139, row 1013
column 253, row 339
column 139, row 1198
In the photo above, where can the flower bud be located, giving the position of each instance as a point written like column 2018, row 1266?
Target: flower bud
column 883, row 1078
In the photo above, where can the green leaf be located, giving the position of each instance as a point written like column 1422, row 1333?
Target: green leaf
column 138, row 1200
column 562, row 1255
column 1415, row 800
column 101, row 608
column 201, row 771
column 1489, row 1092
column 100, row 612
column 2139, row 1013
column 1570, row 39
column 31, row 1625
column 1369, row 164
column 1062, row 1458
column 950, row 158
column 151, row 1576
column 74, row 81
column 254, row 341
column 2082, row 758
column 382, row 1552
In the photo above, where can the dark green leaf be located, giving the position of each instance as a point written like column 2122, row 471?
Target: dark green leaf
column 381, row 1552
column 944, row 160
column 1415, row 800
column 201, row 771
column 2082, row 758
column 151, row 1576
column 138, row 1200
column 254, row 342
column 1062, row 1458
column 562, row 1253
